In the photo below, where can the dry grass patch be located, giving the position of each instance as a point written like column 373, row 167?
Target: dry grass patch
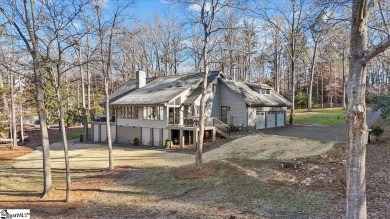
column 262, row 147
column 190, row 172
column 7, row 153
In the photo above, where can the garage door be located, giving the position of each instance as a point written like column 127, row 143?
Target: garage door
column 156, row 137
column 271, row 119
column 260, row 120
column 145, row 136
column 103, row 133
column 96, row 134
column 280, row 118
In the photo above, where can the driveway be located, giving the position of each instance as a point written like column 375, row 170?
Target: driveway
column 321, row 133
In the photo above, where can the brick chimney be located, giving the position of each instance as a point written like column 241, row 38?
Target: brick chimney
column 140, row 78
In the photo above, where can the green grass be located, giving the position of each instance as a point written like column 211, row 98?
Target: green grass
column 76, row 135
column 325, row 117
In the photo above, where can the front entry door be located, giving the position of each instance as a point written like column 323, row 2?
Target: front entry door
column 224, row 114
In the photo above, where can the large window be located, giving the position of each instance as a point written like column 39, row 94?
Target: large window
column 154, row 113
column 127, row 112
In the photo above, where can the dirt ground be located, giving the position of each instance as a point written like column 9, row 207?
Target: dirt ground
column 32, row 140
column 55, row 135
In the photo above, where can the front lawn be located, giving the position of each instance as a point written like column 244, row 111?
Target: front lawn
column 324, row 116
column 238, row 183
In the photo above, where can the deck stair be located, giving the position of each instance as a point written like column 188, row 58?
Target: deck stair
column 221, row 128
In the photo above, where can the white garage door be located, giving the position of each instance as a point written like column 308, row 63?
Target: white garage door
column 280, row 118
column 103, row 133
column 156, row 137
column 270, row 119
column 145, row 136
column 113, row 133
column 260, row 120
column 96, row 134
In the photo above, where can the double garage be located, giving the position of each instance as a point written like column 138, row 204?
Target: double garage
column 270, row 119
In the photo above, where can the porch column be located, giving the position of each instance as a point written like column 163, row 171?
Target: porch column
column 213, row 134
column 181, row 139
column 170, row 134
column 181, row 115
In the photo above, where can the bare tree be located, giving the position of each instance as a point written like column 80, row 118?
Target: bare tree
column 205, row 14
column 318, row 29
column 106, row 30
column 356, row 108
column 58, row 21
column 295, row 15
column 26, row 25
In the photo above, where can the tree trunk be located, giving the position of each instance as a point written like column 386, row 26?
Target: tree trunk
column 65, row 141
column 322, row 87
column 21, row 116
column 202, row 116
column 292, row 111
column 108, row 127
column 82, row 81
column 331, row 84
column 13, row 113
column 88, row 76
column 356, row 116
column 312, row 67
column 5, row 99
column 40, row 96
column 344, row 103
column 356, row 143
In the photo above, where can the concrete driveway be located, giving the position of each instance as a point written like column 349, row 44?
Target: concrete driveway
column 321, row 133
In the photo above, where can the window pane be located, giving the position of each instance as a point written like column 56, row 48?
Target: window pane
column 120, row 112
column 134, row 113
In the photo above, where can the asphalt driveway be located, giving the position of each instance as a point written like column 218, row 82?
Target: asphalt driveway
column 321, row 133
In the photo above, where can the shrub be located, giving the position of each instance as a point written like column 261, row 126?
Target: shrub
column 234, row 128
column 376, row 131
column 168, row 143
column 136, row 141
column 301, row 100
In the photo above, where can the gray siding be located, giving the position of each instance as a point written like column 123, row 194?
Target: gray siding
column 213, row 101
column 237, row 105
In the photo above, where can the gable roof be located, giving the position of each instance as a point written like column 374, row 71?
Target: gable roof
column 159, row 90
column 125, row 89
column 253, row 98
column 195, row 93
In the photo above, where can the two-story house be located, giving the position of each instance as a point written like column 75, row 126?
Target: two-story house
column 156, row 109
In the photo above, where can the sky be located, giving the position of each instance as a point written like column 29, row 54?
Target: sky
column 147, row 8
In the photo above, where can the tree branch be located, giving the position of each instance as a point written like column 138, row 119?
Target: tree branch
column 374, row 52
column 17, row 28
column 383, row 18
